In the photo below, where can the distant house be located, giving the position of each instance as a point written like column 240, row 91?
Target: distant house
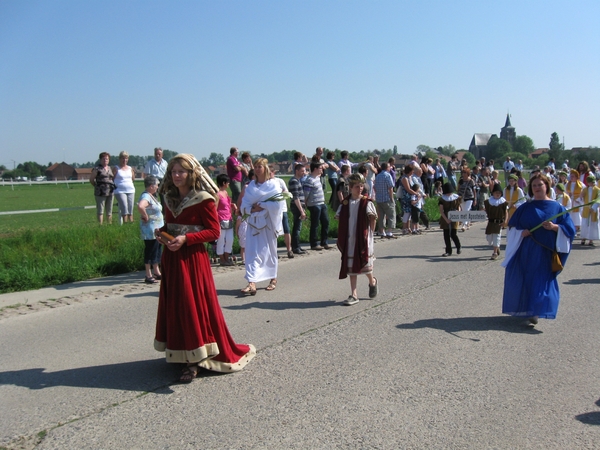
column 478, row 146
column 83, row 174
column 60, row 171
column 538, row 152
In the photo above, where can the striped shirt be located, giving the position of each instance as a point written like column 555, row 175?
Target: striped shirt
column 313, row 191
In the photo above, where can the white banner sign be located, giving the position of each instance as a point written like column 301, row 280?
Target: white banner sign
column 467, row 216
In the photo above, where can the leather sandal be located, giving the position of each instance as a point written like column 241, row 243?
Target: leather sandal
column 272, row 285
column 250, row 289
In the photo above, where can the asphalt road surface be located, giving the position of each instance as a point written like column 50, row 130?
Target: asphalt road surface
column 430, row 363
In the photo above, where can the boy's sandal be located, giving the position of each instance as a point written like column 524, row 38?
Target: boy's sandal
column 272, row 285
column 150, row 280
column 157, row 277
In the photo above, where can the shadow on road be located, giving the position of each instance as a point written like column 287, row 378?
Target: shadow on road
column 141, row 376
column 590, row 418
column 280, row 306
column 452, row 326
column 583, row 281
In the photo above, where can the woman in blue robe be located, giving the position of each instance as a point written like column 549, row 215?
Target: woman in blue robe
column 530, row 285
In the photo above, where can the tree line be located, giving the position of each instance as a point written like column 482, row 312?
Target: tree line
column 498, row 150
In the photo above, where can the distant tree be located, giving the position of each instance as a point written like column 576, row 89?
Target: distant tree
column 395, row 150
column 524, row 145
column 2, row 167
column 167, row 154
column 497, row 148
column 470, row 158
column 215, row 159
column 556, row 148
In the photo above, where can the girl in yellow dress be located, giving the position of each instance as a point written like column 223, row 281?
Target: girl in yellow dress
column 573, row 189
column 513, row 194
column 590, row 228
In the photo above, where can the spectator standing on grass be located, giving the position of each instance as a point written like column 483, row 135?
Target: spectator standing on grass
column 341, row 190
column 151, row 218
column 248, row 166
column 357, row 218
column 386, row 206
column 156, row 166
column 452, row 166
column 440, row 172
column 404, row 193
column 508, row 166
column 333, row 173
column 124, row 188
column 297, row 206
column 417, row 212
column 318, row 156
column 285, row 221
column 344, row 161
column 299, row 158
column 392, row 167
column 315, row 201
column 484, row 187
column 103, row 181
column 235, row 172
column 225, row 212
column 370, row 176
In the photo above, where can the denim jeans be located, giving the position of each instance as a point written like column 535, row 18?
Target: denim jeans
column 296, row 227
column 318, row 214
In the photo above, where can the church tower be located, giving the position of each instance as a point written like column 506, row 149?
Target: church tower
column 508, row 132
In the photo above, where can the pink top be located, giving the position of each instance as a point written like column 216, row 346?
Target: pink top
column 224, row 206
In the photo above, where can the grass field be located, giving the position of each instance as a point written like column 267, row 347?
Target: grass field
column 49, row 248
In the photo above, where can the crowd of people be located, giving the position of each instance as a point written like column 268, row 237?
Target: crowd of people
column 182, row 209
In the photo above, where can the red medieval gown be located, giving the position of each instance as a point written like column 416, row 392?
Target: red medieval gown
column 190, row 327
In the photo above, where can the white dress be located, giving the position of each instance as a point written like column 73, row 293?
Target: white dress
column 263, row 228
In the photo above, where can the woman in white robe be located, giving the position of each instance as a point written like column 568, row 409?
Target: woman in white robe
column 264, row 225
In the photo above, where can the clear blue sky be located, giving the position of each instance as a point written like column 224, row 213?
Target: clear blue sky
column 85, row 76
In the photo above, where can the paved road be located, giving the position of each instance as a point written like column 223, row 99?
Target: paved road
column 430, row 363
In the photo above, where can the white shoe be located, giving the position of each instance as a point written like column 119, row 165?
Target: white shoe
column 351, row 300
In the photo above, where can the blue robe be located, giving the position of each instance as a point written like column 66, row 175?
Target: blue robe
column 530, row 286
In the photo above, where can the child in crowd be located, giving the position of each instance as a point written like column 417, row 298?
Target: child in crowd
column 357, row 221
column 562, row 197
column 590, row 229
column 513, row 194
column 449, row 201
column 416, row 210
column 495, row 208
column 437, row 189
column 224, row 211
column 240, row 224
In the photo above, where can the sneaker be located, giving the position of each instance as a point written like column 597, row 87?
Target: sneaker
column 373, row 290
column 390, row 236
column 351, row 300
column 316, row 248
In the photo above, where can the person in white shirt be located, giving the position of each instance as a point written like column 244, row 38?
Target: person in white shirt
column 156, row 166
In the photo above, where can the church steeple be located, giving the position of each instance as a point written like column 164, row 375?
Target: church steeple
column 508, row 132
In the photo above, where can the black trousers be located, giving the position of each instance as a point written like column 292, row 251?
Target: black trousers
column 451, row 234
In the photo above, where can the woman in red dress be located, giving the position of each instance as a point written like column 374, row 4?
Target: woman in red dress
column 190, row 327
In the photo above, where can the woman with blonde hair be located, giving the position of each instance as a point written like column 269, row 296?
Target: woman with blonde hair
column 190, row 327
column 264, row 225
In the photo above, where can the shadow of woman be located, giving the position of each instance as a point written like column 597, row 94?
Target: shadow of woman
column 153, row 375
column 455, row 325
